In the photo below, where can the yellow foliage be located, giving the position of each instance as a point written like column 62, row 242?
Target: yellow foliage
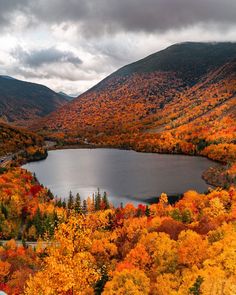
column 133, row 282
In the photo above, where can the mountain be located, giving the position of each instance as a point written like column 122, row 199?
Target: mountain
column 189, row 61
column 66, row 96
column 7, row 77
column 178, row 100
column 22, row 102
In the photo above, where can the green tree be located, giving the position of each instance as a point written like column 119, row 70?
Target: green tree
column 98, row 200
column 85, row 209
column 105, row 201
column 78, row 207
column 71, row 202
column 37, row 221
column 59, row 203
column 50, row 195
column 64, row 203
column 147, row 211
column 186, row 216
column 196, row 288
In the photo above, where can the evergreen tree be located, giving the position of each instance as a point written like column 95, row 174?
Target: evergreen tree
column 98, row 200
column 48, row 224
column 196, row 288
column 78, row 207
column 59, row 203
column 24, row 243
column 50, row 195
column 4, row 210
column 55, row 218
column 70, row 204
column 64, row 203
column 147, row 211
column 38, row 222
column 85, row 209
column 105, row 201
column 99, row 286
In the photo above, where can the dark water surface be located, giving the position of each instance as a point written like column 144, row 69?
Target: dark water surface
column 126, row 176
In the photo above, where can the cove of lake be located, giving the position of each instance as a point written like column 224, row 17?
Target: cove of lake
column 126, row 176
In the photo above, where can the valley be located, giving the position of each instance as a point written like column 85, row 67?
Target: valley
column 181, row 100
column 121, row 202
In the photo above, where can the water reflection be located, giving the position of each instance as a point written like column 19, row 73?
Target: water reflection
column 126, row 176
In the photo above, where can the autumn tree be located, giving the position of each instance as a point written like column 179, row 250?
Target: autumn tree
column 68, row 256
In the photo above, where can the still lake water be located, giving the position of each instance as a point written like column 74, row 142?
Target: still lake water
column 126, row 176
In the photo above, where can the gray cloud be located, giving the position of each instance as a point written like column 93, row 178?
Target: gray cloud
column 37, row 58
column 109, row 16
column 9, row 7
column 102, row 35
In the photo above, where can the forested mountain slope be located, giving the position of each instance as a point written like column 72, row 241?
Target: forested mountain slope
column 22, row 102
column 179, row 100
column 15, row 139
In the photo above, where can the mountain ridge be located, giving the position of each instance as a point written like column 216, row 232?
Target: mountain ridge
column 137, row 65
column 22, row 102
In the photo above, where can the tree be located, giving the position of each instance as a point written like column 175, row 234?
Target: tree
column 37, row 222
column 98, row 200
column 69, row 256
column 78, row 207
column 132, row 281
column 147, row 211
column 85, row 208
column 192, row 248
column 196, row 288
column 70, row 204
column 64, row 203
column 105, row 201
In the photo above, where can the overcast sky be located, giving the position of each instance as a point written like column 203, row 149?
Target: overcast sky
column 69, row 45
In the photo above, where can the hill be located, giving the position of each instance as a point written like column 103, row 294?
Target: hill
column 14, row 139
column 22, row 102
column 179, row 100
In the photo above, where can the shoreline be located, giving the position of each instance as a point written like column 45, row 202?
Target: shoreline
column 207, row 177
column 173, row 198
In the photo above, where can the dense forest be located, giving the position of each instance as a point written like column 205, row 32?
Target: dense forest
column 90, row 247
column 13, row 139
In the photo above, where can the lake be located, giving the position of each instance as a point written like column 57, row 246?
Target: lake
column 126, row 176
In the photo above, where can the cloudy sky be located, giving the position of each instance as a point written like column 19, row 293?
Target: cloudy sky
column 71, row 45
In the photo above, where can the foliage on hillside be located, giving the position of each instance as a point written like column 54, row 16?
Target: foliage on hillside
column 155, row 112
column 158, row 250
column 22, row 102
column 185, row 93
column 17, row 263
column 27, row 209
column 14, row 139
column 186, row 248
